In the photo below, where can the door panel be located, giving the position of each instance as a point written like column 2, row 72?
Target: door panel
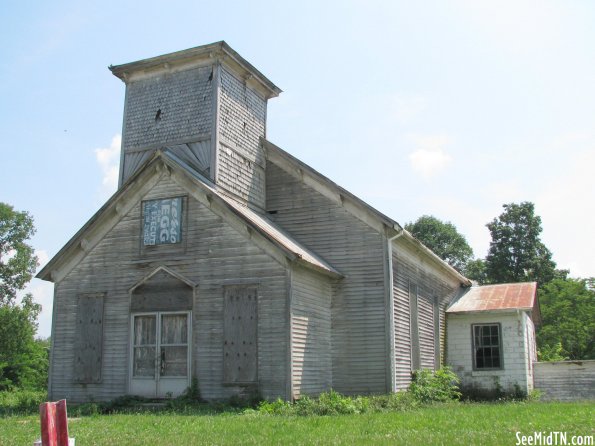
column 160, row 354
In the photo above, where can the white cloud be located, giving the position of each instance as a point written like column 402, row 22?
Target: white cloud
column 108, row 159
column 429, row 158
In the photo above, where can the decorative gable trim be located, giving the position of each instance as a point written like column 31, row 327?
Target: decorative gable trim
column 167, row 270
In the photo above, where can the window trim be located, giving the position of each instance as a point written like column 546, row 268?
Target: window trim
column 500, row 347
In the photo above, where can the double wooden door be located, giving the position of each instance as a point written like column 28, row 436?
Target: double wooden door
column 160, row 353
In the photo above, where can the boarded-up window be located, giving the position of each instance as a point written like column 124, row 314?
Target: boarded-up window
column 162, row 221
column 88, row 344
column 240, row 353
column 413, row 305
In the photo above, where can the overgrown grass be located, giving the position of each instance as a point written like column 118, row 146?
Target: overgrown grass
column 443, row 423
column 429, row 412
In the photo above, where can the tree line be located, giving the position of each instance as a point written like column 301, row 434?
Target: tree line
column 23, row 359
column 517, row 254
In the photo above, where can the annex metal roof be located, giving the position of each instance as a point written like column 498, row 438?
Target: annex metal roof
column 501, row 297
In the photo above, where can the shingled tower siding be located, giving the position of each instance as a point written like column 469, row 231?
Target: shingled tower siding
column 241, row 159
column 168, row 109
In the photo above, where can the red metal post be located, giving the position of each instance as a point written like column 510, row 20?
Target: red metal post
column 54, row 424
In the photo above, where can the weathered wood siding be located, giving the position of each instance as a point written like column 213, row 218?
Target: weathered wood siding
column 435, row 289
column 359, row 341
column 215, row 255
column 311, row 362
column 565, row 380
column 167, row 109
column 240, row 157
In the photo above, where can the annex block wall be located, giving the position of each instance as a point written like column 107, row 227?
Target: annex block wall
column 513, row 374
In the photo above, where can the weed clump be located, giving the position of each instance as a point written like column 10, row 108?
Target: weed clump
column 427, row 387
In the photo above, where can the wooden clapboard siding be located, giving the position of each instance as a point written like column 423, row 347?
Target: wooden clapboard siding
column 359, row 344
column 402, row 317
column 215, row 254
column 435, row 290
column 310, row 333
column 426, row 327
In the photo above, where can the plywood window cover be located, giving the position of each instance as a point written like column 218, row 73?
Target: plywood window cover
column 246, row 287
column 98, row 372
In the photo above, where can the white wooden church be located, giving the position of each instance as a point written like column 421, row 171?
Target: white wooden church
column 223, row 258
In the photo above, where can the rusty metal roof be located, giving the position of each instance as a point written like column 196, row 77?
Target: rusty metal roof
column 501, row 297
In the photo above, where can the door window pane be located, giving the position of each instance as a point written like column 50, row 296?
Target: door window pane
column 144, row 330
column 144, row 362
column 174, row 361
column 174, row 329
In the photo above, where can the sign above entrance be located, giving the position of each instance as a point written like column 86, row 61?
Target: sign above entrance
column 162, row 221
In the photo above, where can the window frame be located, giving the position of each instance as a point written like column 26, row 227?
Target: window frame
column 475, row 347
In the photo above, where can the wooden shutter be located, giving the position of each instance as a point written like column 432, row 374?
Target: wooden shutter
column 88, row 346
column 240, row 352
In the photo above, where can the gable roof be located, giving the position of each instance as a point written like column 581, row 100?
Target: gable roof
column 501, row 298
column 353, row 204
column 164, row 162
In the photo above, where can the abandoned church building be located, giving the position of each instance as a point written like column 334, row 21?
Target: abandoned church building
column 222, row 258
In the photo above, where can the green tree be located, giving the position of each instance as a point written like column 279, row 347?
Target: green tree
column 476, row 270
column 23, row 360
column 567, row 310
column 516, row 252
column 17, row 259
column 442, row 238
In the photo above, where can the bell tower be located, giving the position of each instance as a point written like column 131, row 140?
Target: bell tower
column 208, row 106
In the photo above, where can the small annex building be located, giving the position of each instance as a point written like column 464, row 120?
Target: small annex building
column 491, row 337
column 224, row 259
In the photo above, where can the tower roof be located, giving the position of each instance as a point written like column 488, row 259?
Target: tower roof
column 198, row 56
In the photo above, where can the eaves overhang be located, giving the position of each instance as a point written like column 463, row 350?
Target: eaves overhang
column 217, row 52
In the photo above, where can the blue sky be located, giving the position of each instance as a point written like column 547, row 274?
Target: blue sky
column 432, row 107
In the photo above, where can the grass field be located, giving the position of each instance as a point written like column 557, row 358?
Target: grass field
column 449, row 424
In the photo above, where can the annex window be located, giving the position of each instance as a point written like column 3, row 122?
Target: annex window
column 487, row 347
column 162, row 221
